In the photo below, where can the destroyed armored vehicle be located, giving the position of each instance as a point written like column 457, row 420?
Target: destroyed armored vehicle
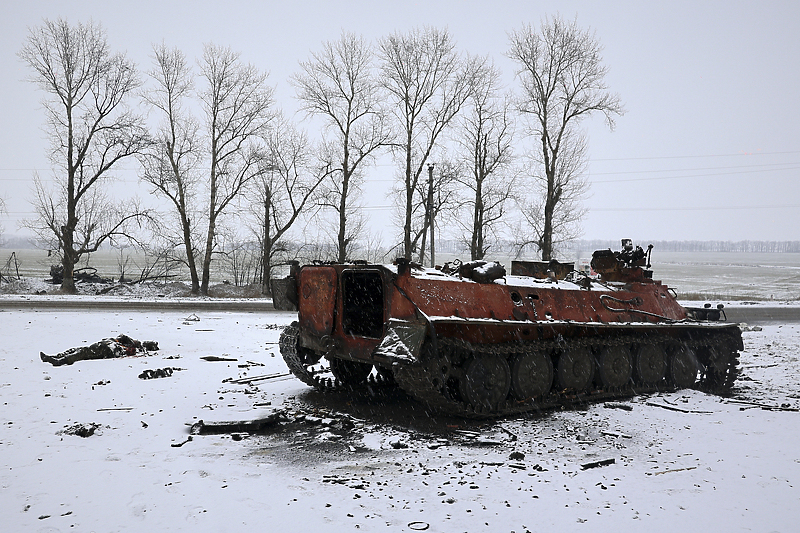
column 469, row 340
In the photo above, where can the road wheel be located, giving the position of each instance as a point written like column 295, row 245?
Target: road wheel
column 531, row 375
column 486, row 382
column 614, row 366
column 576, row 368
column 682, row 368
column 650, row 364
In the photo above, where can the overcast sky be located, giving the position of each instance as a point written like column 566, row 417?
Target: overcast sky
column 709, row 147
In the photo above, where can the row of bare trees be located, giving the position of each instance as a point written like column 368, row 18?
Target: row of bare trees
column 213, row 133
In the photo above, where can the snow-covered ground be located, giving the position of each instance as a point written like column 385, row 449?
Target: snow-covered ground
column 366, row 463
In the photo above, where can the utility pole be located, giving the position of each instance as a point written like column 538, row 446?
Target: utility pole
column 266, row 246
column 265, row 288
column 430, row 214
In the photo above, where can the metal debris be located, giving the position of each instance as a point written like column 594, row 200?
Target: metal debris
column 158, row 373
column 597, row 464
column 237, row 426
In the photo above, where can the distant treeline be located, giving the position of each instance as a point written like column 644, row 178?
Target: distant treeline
column 453, row 246
column 697, row 246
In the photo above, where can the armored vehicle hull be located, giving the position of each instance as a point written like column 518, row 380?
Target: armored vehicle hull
column 471, row 341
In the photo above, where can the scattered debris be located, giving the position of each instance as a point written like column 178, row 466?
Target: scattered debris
column 668, row 471
column 615, row 434
column 215, row 358
column 179, row 444
column 158, row 373
column 115, row 409
column 766, row 407
column 517, row 456
column 623, row 406
column 487, row 441
column 678, row 409
column 745, row 327
column 248, row 364
column 418, row 526
column 192, row 318
column 234, row 426
column 597, row 464
column 397, row 443
column 249, row 380
column 80, row 430
column 509, row 433
column 336, row 480
column 80, row 275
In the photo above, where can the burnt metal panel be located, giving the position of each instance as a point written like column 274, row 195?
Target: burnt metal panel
column 539, row 269
column 443, row 298
column 317, row 299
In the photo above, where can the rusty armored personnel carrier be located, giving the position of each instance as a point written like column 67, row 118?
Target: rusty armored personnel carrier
column 469, row 340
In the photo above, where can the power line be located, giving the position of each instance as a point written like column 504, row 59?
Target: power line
column 598, row 209
column 715, row 208
column 694, row 156
column 652, row 158
column 688, row 175
column 700, row 168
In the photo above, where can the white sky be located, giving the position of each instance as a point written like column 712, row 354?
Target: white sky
column 709, row 147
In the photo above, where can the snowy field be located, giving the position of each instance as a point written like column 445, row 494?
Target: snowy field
column 371, row 463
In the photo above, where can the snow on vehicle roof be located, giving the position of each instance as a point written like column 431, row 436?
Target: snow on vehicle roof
column 514, row 281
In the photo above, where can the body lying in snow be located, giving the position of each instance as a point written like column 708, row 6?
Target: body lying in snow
column 119, row 346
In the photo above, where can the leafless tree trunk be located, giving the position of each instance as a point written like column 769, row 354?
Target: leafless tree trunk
column 563, row 82
column 172, row 164
column 485, row 139
column 283, row 189
column 557, row 201
column 91, row 131
column 426, row 82
column 237, row 105
column 339, row 84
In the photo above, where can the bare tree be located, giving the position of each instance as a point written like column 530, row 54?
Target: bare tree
column 173, row 162
column 569, row 185
column 426, row 82
column 563, row 82
column 91, row 131
column 282, row 190
column 485, row 138
column 339, row 84
column 237, row 107
column 238, row 257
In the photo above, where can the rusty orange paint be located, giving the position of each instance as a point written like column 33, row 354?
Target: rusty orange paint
column 446, row 298
column 317, row 299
